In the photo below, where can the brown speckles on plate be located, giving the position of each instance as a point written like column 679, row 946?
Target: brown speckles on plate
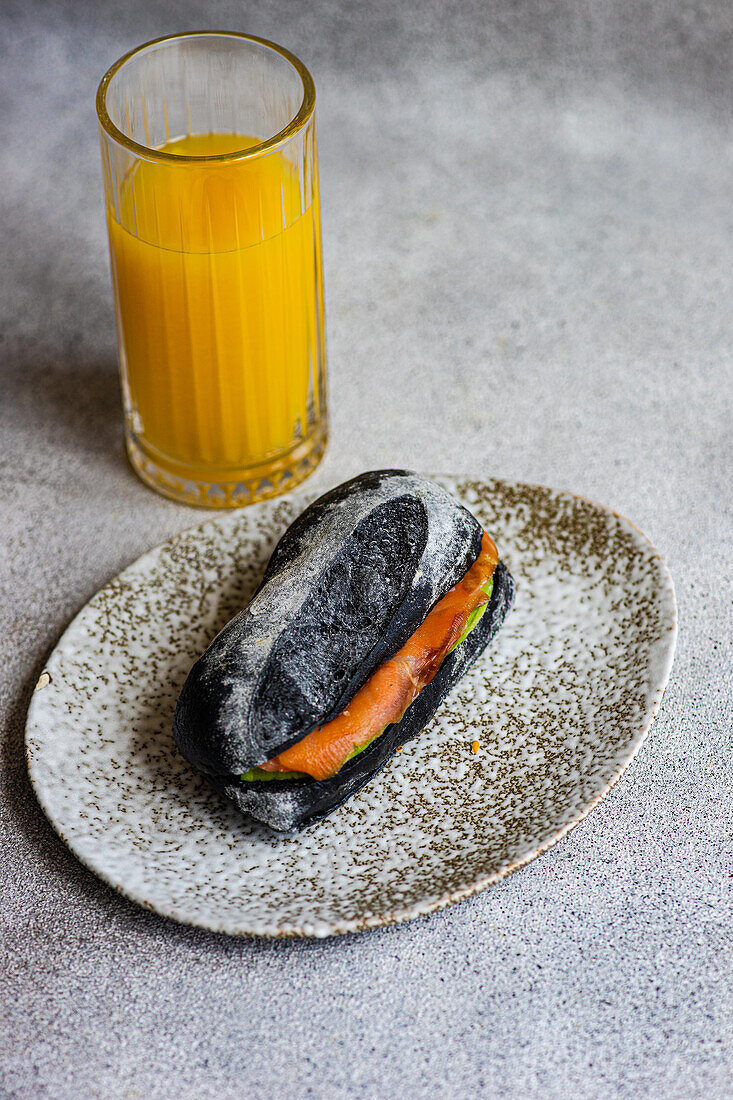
column 559, row 704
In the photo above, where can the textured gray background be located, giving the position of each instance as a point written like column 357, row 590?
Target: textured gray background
column 527, row 233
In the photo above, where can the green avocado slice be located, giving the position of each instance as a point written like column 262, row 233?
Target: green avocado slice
column 261, row 776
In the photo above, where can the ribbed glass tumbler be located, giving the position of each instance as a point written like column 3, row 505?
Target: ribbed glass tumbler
column 210, row 173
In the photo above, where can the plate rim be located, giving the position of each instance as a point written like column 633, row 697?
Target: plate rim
column 418, row 908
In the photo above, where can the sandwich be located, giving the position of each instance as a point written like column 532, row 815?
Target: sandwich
column 373, row 605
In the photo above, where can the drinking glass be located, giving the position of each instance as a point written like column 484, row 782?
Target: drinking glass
column 210, row 169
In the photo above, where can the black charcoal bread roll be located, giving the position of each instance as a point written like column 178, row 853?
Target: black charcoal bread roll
column 346, row 586
column 290, row 805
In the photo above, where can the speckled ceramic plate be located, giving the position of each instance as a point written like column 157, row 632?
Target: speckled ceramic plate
column 560, row 703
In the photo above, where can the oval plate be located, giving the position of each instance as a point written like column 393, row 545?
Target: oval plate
column 560, row 703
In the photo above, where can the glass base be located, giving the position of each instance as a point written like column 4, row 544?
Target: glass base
column 227, row 488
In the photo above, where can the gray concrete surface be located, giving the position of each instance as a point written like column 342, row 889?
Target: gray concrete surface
column 527, row 217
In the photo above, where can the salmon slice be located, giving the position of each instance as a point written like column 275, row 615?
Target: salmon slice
column 389, row 691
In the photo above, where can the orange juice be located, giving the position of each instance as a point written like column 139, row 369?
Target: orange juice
column 217, row 274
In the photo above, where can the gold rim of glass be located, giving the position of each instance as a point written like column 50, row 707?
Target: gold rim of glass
column 296, row 124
